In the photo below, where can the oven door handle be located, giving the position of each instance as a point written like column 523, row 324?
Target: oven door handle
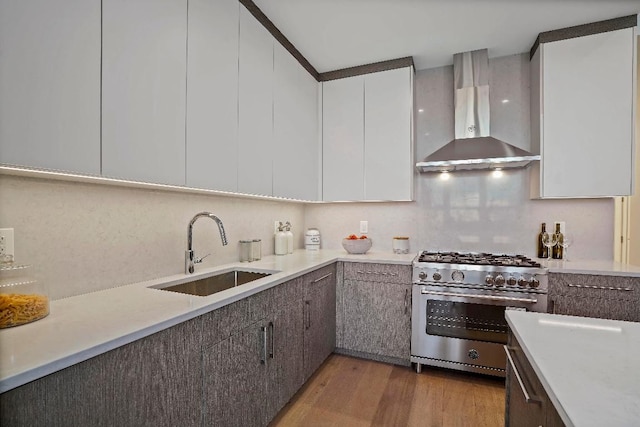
column 485, row 297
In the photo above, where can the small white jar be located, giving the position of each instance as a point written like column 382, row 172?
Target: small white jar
column 312, row 239
column 400, row 245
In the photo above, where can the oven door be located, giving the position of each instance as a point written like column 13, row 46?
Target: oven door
column 464, row 328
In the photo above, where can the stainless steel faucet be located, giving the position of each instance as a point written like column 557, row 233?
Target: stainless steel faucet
column 190, row 260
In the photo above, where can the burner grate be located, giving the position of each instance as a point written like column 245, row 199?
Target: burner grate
column 477, row 259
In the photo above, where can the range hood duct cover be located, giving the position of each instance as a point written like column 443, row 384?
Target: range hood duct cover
column 473, row 148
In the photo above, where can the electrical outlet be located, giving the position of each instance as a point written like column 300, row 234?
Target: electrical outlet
column 6, row 242
column 364, row 227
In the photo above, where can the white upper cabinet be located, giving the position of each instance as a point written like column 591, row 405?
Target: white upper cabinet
column 343, row 139
column 144, row 89
column 212, row 94
column 50, row 84
column 295, row 126
column 255, row 132
column 582, row 116
column 367, row 138
column 388, row 153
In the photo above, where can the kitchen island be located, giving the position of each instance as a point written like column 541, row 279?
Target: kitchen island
column 587, row 367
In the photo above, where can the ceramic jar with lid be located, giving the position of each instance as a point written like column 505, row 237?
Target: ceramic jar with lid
column 312, row 239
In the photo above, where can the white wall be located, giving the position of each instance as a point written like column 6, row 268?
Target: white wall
column 86, row 237
column 472, row 211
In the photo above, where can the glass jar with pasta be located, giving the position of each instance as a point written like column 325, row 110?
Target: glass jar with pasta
column 23, row 299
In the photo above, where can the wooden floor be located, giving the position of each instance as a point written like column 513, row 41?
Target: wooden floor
column 352, row 392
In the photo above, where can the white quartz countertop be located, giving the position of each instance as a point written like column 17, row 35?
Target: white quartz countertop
column 597, row 267
column 85, row 326
column 588, row 367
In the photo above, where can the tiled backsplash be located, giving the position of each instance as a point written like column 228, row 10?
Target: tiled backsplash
column 87, row 237
column 472, row 211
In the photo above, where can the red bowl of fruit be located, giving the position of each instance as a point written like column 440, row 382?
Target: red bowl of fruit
column 356, row 245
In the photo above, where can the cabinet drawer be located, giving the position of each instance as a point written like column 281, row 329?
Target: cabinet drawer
column 594, row 286
column 601, row 308
column 370, row 272
column 318, row 277
column 220, row 324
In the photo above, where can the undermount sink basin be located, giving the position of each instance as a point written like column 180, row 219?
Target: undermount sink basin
column 216, row 283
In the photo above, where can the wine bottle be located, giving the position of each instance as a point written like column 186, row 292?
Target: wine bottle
column 557, row 252
column 543, row 251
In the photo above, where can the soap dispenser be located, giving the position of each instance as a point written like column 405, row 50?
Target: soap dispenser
column 280, row 241
column 289, row 234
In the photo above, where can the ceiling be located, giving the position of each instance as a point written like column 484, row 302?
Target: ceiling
column 335, row 34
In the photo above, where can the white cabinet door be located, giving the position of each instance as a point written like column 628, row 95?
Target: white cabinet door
column 586, row 120
column 295, row 127
column 212, row 95
column 343, row 139
column 143, row 89
column 50, row 84
column 388, row 155
column 255, row 132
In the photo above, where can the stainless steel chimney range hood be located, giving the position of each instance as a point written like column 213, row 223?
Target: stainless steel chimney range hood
column 473, row 148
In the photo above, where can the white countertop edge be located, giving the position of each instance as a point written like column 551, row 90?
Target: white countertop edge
column 593, row 267
column 210, row 303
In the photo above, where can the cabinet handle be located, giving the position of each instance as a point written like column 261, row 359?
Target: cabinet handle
column 604, row 288
column 271, row 329
column 382, row 273
column 263, row 356
column 527, row 397
column 307, row 309
column 322, row 278
column 406, row 301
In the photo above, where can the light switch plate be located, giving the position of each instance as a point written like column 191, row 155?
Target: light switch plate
column 6, row 242
column 364, row 227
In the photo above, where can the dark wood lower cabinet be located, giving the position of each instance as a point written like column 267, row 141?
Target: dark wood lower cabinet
column 527, row 403
column 287, row 371
column 374, row 312
column 599, row 296
column 319, row 318
column 150, row 382
column 235, row 366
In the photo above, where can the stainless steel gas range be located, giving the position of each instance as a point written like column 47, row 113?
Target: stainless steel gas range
column 458, row 306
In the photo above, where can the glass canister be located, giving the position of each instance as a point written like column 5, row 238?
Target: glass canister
column 23, row 299
column 245, row 250
column 256, row 250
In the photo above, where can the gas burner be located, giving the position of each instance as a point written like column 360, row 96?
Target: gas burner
column 477, row 259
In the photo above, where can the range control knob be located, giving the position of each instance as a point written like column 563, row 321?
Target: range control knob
column 437, row 276
column 523, row 282
column 499, row 280
column 489, row 279
column 534, row 283
column 422, row 275
column 457, row 276
column 511, row 281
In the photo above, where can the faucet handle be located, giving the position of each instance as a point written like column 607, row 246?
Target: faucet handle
column 199, row 260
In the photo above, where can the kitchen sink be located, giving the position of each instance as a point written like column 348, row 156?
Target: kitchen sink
column 218, row 282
